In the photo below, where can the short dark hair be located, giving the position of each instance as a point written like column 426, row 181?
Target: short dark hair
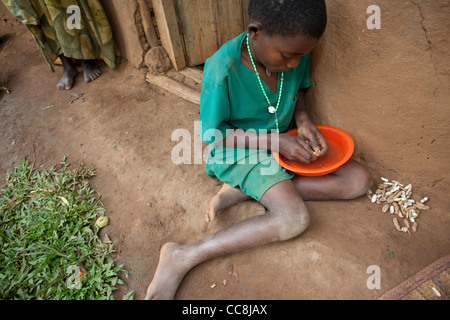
column 290, row 17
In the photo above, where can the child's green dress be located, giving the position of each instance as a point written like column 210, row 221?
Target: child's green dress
column 232, row 98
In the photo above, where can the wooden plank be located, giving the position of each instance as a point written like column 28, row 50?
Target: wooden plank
column 208, row 24
column 230, row 22
column 168, row 31
column 147, row 23
column 194, row 74
column 192, row 43
column 245, row 4
column 200, row 29
column 206, row 11
column 174, row 87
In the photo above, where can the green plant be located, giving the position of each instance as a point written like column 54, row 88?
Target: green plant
column 47, row 229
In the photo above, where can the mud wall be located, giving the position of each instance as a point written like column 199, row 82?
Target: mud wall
column 388, row 87
column 122, row 17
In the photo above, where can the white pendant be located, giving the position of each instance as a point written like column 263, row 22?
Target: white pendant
column 269, row 73
column 272, row 109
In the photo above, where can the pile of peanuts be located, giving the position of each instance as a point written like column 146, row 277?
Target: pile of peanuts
column 396, row 199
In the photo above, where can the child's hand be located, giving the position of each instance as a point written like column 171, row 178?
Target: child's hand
column 295, row 149
column 306, row 147
column 314, row 139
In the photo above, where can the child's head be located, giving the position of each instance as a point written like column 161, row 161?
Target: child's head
column 282, row 31
column 290, row 17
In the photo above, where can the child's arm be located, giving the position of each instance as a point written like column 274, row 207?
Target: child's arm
column 307, row 131
column 214, row 112
column 306, row 147
column 292, row 148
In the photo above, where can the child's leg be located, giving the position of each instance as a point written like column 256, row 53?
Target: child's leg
column 287, row 217
column 349, row 182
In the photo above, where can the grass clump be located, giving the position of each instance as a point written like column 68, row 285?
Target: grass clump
column 49, row 244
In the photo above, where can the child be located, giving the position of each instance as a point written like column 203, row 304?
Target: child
column 249, row 112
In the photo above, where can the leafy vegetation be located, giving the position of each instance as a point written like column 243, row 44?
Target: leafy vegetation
column 49, row 244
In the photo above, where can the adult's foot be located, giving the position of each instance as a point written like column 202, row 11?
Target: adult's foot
column 90, row 69
column 69, row 74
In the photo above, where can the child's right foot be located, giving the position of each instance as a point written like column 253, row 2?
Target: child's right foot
column 225, row 198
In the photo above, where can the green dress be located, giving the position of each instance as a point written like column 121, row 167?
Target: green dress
column 232, row 98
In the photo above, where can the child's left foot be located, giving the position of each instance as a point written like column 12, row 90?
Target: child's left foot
column 227, row 197
column 169, row 273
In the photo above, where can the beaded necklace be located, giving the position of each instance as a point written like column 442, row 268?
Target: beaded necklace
column 271, row 108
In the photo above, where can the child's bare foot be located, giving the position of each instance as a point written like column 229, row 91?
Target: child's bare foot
column 170, row 272
column 227, row 197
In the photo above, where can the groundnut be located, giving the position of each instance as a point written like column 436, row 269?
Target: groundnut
column 397, row 199
column 422, row 206
column 397, row 224
column 407, row 223
column 396, row 207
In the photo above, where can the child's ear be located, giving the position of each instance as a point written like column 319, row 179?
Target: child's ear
column 254, row 29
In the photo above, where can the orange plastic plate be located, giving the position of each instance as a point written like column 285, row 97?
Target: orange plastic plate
column 341, row 150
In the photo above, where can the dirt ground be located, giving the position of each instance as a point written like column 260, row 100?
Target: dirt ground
column 151, row 201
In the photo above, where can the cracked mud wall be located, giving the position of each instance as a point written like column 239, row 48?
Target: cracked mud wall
column 389, row 87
